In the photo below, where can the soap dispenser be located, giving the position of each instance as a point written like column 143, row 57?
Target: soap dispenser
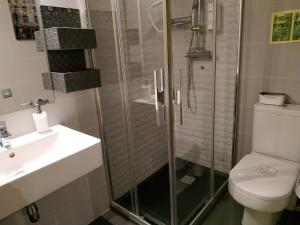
column 40, row 119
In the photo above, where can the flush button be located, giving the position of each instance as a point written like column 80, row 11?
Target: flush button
column 6, row 93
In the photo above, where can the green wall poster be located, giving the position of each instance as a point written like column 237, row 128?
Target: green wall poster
column 285, row 27
column 282, row 23
column 296, row 26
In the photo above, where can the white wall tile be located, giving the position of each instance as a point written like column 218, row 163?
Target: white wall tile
column 21, row 67
column 81, row 201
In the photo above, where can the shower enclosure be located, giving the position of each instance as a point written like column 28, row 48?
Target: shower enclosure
column 168, row 104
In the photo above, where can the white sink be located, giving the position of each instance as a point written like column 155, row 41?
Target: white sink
column 43, row 163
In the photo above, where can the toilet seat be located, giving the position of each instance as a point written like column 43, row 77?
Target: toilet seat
column 262, row 182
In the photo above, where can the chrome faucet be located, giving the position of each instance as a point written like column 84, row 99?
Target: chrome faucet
column 4, row 135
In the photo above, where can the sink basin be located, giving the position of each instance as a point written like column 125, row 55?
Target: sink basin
column 38, row 164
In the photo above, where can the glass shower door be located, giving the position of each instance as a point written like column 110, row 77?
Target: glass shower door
column 176, row 153
column 193, row 72
column 205, row 36
column 140, row 35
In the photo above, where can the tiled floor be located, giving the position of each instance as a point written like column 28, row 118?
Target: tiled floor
column 112, row 218
column 229, row 212
column 226, row 212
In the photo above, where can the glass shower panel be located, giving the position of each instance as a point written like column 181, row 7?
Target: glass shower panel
column 112, row 106
column 141, row 40
column 193, row 82
column 226, row 70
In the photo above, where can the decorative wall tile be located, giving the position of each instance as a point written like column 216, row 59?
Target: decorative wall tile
column 60, row 17
column 66, row 61
column 66, row 38
column 73, row 81
column 58, row 38
column 132, row 36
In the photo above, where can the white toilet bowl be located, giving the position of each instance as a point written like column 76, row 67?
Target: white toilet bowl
column 264, row 185
column 264, row 181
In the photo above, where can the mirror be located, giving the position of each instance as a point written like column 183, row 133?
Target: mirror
column 21, row 65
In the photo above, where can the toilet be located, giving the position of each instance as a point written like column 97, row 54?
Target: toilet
column 264, row 181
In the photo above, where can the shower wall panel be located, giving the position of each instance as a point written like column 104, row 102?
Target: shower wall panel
column 194, row 136
column 112, row 110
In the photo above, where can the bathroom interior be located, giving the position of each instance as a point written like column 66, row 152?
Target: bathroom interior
column 150, row 112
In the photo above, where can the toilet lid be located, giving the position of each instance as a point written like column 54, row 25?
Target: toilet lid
column 265, row 177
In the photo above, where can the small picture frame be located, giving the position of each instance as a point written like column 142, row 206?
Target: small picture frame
column 24, row 18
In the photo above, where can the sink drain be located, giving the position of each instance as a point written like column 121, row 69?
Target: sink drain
column 11, row 155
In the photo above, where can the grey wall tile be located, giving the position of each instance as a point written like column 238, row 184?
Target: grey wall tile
column 256, row 60
column 290, row 86
column 257, row 21
column 244, row 145
column 250, row 87
column 245, row 119
column 284, row 60
column 132, row 36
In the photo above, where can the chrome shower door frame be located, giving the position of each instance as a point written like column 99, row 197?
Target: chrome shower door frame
column 214, row 195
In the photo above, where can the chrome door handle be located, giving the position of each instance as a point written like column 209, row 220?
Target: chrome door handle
column 156, row 99
column 178, row 100
column 159, row 96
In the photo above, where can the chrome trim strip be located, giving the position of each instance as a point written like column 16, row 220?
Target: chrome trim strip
column 167, row 18
column 156, row 221
column 180, row 97
column 157, row 113
column 213, row 110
